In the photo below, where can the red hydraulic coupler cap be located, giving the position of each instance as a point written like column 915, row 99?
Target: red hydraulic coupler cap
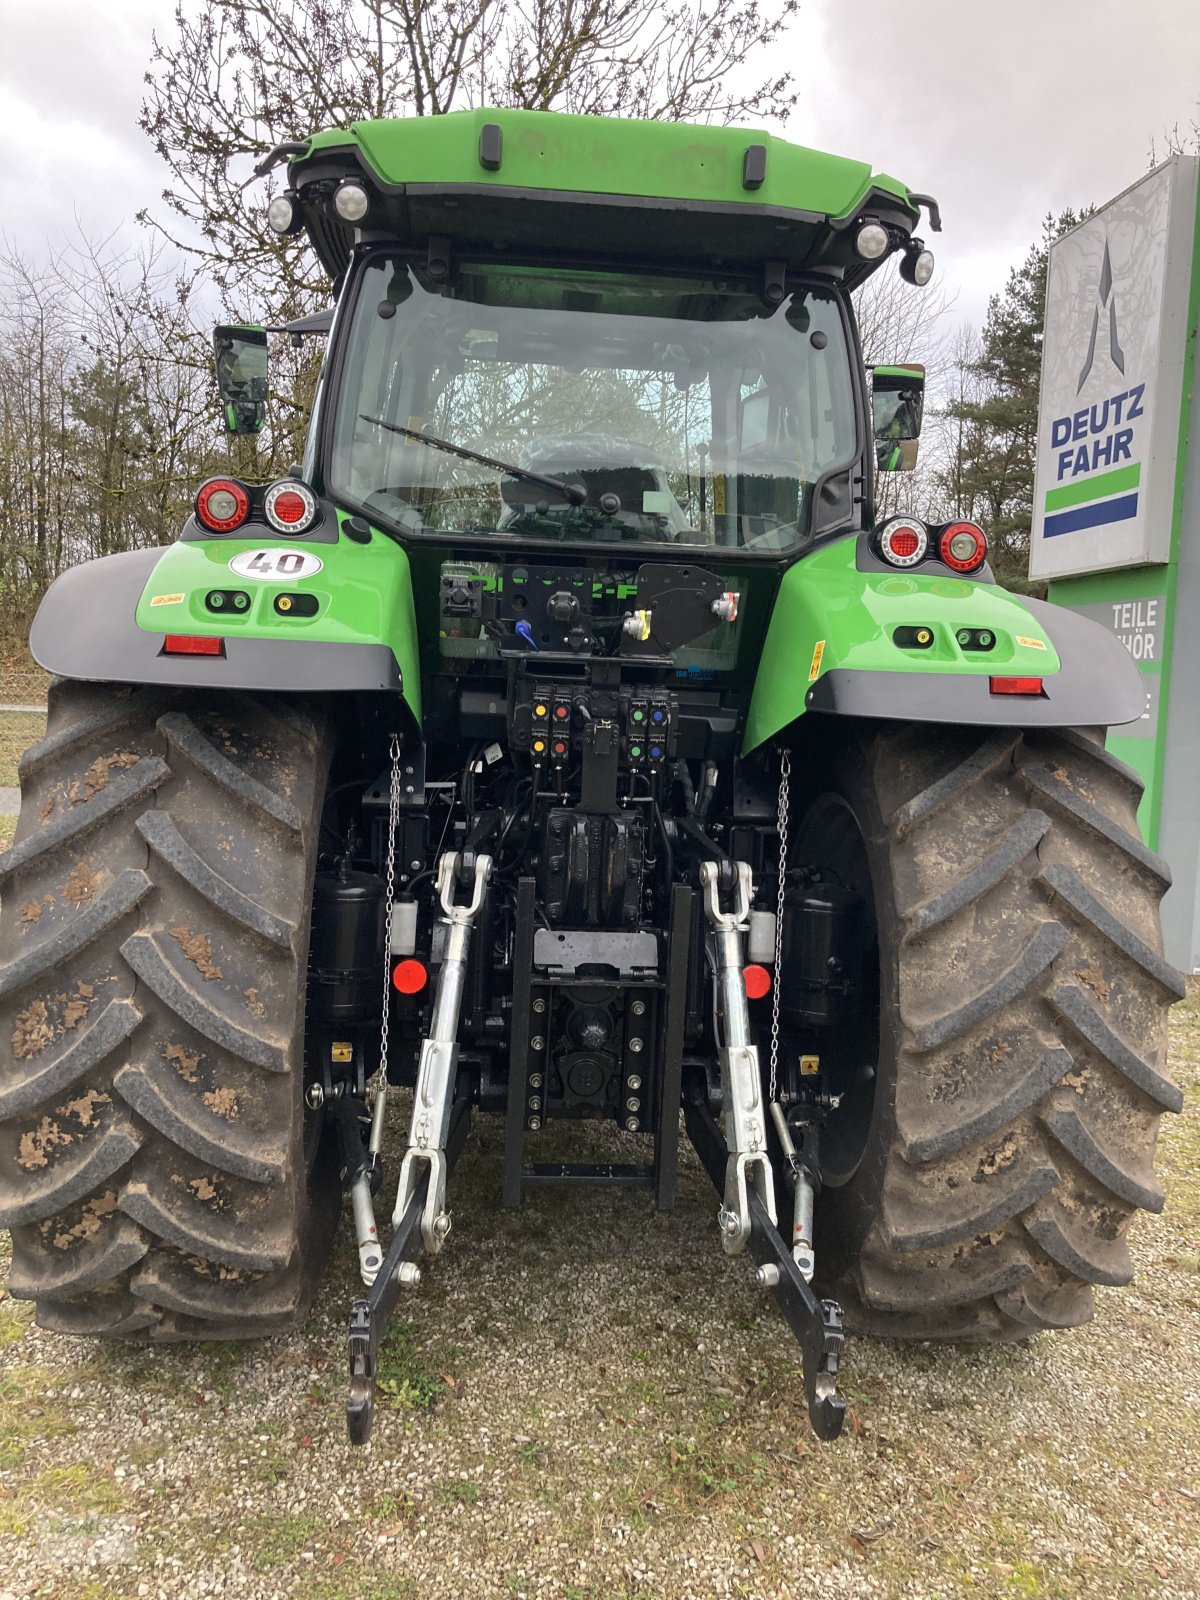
column 757, row 981
column 409, row 977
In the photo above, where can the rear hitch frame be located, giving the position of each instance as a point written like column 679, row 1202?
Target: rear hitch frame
column 817, row 1324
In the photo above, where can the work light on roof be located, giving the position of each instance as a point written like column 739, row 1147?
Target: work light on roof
column 283, row 214
column 871, row 241
column 351, row 201
column 916, row 266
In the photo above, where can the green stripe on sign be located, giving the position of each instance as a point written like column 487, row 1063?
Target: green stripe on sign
column 1118, row 481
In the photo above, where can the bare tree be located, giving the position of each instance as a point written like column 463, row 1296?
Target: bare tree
column 900, row 323
column 107, row 420
column 236, row 77
column 960, row 438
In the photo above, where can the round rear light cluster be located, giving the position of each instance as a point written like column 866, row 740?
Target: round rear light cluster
column 222, row 504
column 903, row 541
column 963, row 547
column 290, row 507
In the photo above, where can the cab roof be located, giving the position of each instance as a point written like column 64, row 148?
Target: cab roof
column 608, row 188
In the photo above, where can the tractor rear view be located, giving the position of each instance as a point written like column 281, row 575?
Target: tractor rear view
column 565, row 738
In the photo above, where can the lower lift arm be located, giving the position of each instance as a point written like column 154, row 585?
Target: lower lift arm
column 421, row 1220
column 739, row 1163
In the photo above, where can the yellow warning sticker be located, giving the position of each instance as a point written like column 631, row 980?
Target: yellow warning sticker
column 166, row 599
column 1032, row 644
column 815, row 664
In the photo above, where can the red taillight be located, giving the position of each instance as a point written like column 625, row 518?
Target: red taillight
column 222, row 504
column 903, row 542
column 1016, row 686
column 187, row 644
column 290, row 506
column 757, row 981
column 409, row 977
column 963, row 547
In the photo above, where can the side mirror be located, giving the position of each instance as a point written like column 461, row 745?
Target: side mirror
column 754, row 419
column 241, row 360
column 897, row 403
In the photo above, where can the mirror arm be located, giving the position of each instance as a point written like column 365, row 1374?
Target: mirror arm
column 931, row 205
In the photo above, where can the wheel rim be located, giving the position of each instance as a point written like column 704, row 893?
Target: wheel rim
column 830, row 839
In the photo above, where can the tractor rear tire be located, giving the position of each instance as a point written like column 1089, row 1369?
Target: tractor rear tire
column 158, row 1170
column 1020, row 1033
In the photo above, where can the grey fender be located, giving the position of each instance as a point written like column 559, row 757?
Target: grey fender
column 85, row 628
column 1098, row 686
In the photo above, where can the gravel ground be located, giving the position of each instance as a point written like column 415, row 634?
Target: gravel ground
column 591, row 1403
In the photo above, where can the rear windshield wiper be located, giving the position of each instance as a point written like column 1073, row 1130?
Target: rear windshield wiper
column 573, row 492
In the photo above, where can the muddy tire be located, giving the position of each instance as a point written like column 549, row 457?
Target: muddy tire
column 1019, row 1030
column 154, row 1167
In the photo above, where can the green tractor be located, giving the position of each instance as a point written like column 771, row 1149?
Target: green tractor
column 565, row 737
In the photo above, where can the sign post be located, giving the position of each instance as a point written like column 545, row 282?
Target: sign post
column 1116, row 524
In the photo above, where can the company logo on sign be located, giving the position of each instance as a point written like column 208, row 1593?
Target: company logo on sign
column 1114, row 354
column 1105, row 298
column 1097, row 478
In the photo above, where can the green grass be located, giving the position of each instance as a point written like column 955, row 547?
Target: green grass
column 18, row 730
column 459, row 1492
column 277, row 1544
column 405, row 1374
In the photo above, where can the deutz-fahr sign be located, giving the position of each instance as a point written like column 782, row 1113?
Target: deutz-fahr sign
column 1112, row 369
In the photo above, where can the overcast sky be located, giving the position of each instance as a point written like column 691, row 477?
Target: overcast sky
column 1004, row 111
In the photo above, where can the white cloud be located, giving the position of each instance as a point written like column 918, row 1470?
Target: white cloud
column 1004, row 109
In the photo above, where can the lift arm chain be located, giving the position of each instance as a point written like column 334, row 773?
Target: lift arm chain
column 438, row 1068
column 370, row 1256
column 748, row 1163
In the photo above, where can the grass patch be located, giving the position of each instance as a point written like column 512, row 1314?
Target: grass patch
column 405, row 1374
column 459, row 1492
column 27, row 1415
column 18, row 730
column 277, row 1544
column 15, row 1318
column 79, row 1486
column 362, row 1584
column 392, row 1507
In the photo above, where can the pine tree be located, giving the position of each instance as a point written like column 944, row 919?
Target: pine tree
column 989, row 477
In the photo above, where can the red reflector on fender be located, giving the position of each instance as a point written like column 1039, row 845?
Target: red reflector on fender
column 186, row 644
column 409, row 977
column 757, row 981
column 1016, row 686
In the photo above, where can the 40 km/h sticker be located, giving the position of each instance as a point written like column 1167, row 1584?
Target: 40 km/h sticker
column 276, row 563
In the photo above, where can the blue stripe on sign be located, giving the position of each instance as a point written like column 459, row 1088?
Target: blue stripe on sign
column 1094, row 516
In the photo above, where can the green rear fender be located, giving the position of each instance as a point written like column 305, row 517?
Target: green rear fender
column 887, row 644
column 341, row 619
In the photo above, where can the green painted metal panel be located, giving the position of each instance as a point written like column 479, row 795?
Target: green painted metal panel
column 828, row 614
column 1137, row 604
column 609, row 155
column 363, row 591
